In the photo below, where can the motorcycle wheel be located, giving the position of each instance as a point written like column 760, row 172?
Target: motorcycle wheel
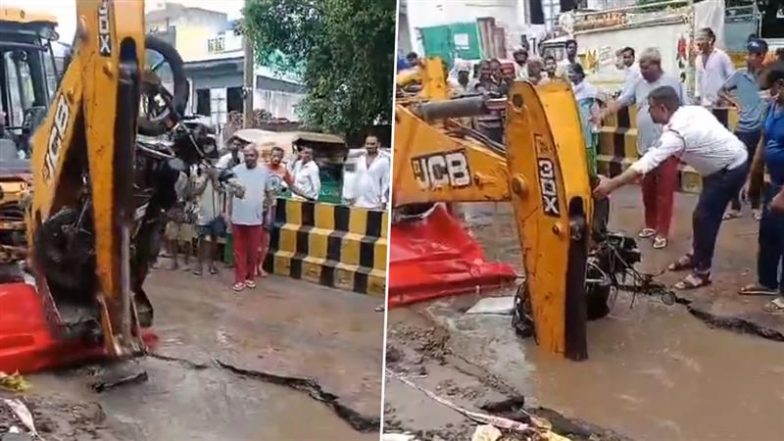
column 160, row 124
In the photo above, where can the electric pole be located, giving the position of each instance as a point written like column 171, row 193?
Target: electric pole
column 248, row 74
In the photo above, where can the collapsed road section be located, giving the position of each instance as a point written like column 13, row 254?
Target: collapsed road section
column 237, row 378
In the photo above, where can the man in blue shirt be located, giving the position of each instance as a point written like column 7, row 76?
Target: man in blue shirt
column 751, row 108
column 402, row 64
column 771, row 228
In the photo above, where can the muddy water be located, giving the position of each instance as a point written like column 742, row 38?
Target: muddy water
column 180, row 403
column 654, row 373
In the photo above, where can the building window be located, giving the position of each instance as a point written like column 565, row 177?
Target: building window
column 537, row 11
column 203, row 102
column 234, row 101
column 216, row 45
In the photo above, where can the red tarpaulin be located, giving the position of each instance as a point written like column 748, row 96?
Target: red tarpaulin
column 26, row 343
column 435, row 257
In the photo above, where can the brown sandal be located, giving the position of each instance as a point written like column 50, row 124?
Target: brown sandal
column 693, row 281
column 686, row 262
column 757, row 290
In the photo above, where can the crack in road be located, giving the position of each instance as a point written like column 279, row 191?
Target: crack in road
column 185, row 362
column 741, row 325
column 359, row 422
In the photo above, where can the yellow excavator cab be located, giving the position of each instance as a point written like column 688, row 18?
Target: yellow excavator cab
column 28, row 78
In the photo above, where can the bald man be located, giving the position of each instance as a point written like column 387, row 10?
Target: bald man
column 247, row 217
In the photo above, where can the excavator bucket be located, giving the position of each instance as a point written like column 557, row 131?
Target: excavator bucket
column 29, row 341
column 44, row 321
column 434, row 256
column 431, row 255
column 551, row 196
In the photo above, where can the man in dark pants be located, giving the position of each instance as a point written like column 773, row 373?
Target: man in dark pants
column 751, row 111
column 770, row 156
column 696, row 137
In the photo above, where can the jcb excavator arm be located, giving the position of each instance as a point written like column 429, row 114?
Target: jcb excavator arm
column 542, row 170
column 84, row 150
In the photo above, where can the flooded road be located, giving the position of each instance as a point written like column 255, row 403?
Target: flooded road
column 654, row 372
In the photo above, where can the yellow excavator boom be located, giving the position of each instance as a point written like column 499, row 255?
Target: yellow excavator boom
column 541, row 169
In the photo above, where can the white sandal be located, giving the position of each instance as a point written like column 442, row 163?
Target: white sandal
column 645, row 233
column 776, row 305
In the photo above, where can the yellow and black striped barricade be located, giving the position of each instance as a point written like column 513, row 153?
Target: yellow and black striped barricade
column 332, row 245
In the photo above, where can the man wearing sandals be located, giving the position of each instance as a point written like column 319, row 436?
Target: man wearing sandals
column 751, row 110
column 247, row 217
column 210, row 224
column 693, row 135
column 771, row 228
column 658, row 185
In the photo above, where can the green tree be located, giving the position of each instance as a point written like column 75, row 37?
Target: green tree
column 343, row 50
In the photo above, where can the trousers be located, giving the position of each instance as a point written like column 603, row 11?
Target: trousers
column 658, row 192
column 750, row 140
column 770, row 256
column 717, row 191
column 247, row 251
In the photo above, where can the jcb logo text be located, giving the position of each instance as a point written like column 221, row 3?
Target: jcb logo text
column 442, row 170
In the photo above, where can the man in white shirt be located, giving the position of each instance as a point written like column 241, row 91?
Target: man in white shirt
column 520, row 56
column 695, row 136
column 233, row 156
column 462, row 84
column 372, row 179
column 714, row 67
column 306, row 175
column 565, row 65
column 247, row 216
column 630, row 68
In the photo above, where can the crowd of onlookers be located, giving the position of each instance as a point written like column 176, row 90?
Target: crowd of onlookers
column 235, row 197
column 673, row 128
column 494, row 77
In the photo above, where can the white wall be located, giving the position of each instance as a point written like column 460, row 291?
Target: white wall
column 279, row 104
column 425, row 13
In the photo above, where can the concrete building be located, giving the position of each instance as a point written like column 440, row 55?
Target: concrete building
column 214, row 63
column 498, row 24
column 452, row 25
column 449, row 24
